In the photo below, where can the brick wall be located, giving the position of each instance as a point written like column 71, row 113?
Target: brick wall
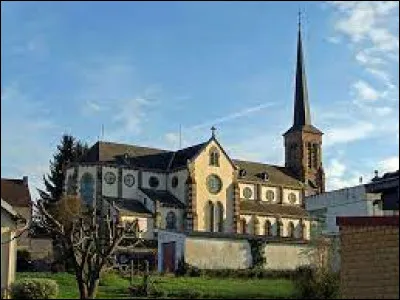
column 369, row 257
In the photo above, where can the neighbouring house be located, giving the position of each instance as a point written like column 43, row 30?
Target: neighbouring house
column 388, row 187
column 369, row 257
column 376, row 198
column 10, row 221
column 202, row 190
column 16, row 193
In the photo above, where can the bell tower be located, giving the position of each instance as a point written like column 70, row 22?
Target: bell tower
column 303, row 141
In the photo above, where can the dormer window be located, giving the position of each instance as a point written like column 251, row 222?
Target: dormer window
column 242, row 172
column 214, row 157
column 265, row 176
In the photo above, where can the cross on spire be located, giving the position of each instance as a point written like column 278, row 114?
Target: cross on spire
column 213, row 129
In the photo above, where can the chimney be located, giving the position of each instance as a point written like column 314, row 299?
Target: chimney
column 361, row 179
column 25, row 180
column 376, row 173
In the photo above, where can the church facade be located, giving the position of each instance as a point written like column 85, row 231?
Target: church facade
column 201, row 189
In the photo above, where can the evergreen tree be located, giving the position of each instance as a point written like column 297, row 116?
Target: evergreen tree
column 68, row 151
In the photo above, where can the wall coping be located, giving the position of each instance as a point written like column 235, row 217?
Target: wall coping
column 368, row 221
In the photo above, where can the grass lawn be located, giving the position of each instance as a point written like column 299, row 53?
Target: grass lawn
column 211, row 287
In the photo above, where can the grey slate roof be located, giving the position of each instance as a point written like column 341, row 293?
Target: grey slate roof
column 164, row 160
column 142, row 157
column 262, row 208
column 277, row 175
column 131, row 207
column 164, row 197
column 180, row 157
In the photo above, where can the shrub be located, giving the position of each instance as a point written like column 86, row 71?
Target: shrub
column 316, row 283
column 34, row 288
column 110, row 278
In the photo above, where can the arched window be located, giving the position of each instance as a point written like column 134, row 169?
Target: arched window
column 243, row 225
column 220, row 217
column 171, row 221
column 210, row 214
column 256, row 226
column 268, row 228
column 87, row 188
column 303, row 230
column 309, row 155
column 214, row 157
column 279, row 227
column 290, row 229
column 315, row 156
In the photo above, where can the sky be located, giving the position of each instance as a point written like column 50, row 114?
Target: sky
column 144, row 69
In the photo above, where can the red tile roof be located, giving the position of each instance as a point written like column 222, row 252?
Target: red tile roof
column 15, row 192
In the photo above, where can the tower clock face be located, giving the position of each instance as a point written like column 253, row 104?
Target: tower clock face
column 214, row 184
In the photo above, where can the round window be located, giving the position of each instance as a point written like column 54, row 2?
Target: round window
column 153, row 182
column 129, row 180
column 270, row 195
column 174, row 181
column 292, row 198
column 110, row 177
column 214, row 184
column 247, row 192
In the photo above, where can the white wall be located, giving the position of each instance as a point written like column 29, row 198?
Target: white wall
column 285, row 223
column 130, row 192
column 161, row 177
column 110, row 190
column 275, row 190
column 286, row 193
column 212, row 253
column 179, row 191
column 146, row 201
column 353, row 201
column 242, row 186
column 286, row 256
column 223, row 253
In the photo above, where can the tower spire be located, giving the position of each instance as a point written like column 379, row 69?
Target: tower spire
column 301, row 106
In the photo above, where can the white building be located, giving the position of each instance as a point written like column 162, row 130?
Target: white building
column 352, row 201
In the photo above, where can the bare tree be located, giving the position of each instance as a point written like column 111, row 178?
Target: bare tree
column 89, row 239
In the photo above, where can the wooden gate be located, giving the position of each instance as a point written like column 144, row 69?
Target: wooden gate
column 168, row 257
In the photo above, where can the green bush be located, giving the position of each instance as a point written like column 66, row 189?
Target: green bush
column 34, row 288
column 110, row 278
column 316, row 284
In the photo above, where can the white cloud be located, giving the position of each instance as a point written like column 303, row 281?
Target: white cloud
column 350, row 133
column 233, row 116
column 129, row 118
column 389, row 164
column 334, row 40
column 335, row 169
column 26, row 137
column 364, row 91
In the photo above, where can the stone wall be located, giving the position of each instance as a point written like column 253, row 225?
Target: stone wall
column 227, row 251
column 369, row 257
column 212, row 253
column 285, row 256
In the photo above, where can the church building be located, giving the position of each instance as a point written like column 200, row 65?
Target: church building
column 202, row 189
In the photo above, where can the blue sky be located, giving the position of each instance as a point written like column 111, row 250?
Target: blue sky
column 144, row 68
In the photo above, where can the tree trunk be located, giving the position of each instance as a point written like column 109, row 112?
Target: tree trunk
column 83, row 290
column 92, row 289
